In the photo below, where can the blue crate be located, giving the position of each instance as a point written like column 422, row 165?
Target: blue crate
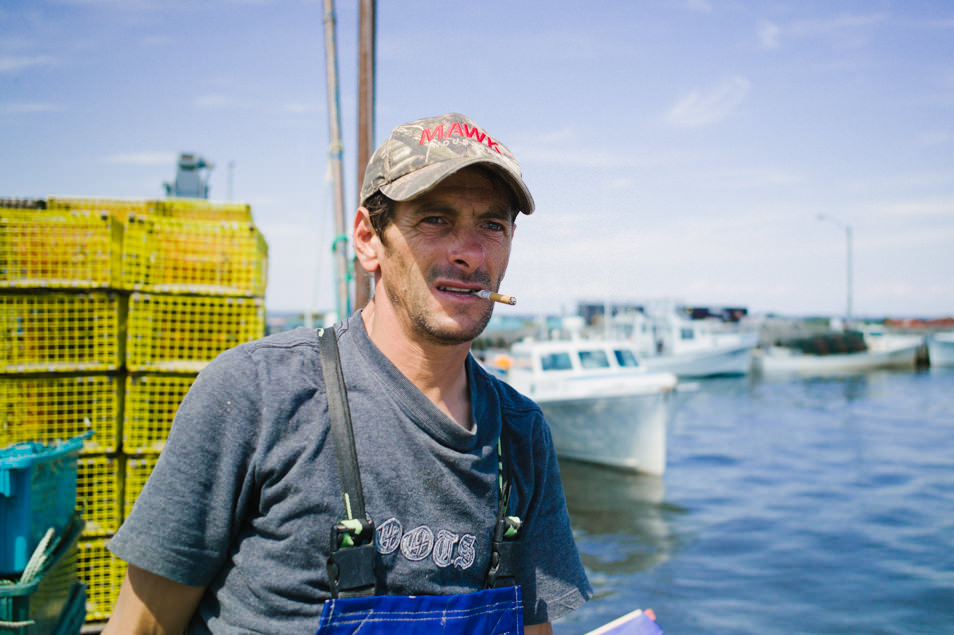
column 49, row 598
column 37, row 492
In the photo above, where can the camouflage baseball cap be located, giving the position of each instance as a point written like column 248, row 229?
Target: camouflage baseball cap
column 419, row 155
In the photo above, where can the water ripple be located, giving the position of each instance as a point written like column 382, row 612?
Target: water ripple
column 796, row 506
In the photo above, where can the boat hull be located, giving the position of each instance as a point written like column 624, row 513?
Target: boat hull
column 709, row 363
column 777, row 360
column 941, row 350
column 626, row 432
column 602, row 406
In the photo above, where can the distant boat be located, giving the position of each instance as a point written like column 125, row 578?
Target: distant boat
column 688, row 348
column 877, row 339
column 839, row 354
column 602, row 406
column 941, row 349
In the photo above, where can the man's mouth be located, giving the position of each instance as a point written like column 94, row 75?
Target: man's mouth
column 462, row 291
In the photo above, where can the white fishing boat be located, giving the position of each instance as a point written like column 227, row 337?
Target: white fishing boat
column 602, row 405
column 688, row 348
column 878, row 339
column 870, row 351
column 941, row 349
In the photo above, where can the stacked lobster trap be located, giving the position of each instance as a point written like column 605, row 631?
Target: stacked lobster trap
column 108, row 310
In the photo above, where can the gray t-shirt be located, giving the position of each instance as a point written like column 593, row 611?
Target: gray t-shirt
column 246, row 491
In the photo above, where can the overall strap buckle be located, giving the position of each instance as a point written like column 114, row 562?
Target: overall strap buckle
column 505, row 549
column 504, row 554
column 352, row 560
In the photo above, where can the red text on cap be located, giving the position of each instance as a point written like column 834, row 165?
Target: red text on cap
column 437, row 132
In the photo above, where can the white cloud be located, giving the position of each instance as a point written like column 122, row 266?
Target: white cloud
column 701, row 108
column 215, row 102
column 728, row 178
column 14, row 63
column 120, row 4
column 911, row 239
column 300, row 108
column 702, row 6
column 768, row 34
column 252, row 3
column 921, row 207
column 702, row 261
column 144, row 158
column 597, row 158
column 555, row 135
column 839, row 24
column 845, row 31
column 624, row 183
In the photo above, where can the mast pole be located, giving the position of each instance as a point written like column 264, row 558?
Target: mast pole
column 366, row 75
column 340, row 243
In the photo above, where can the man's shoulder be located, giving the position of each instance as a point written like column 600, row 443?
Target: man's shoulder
column 512, row 401
column 300, row 336
column 268, row 351
column 275, row 344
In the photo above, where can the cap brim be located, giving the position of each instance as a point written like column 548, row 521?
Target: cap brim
column 426, row 178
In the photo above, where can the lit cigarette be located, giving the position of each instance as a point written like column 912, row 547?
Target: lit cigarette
column 496, row 297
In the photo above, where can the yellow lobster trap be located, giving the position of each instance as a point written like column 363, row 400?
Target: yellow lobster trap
column 56, row 407
column 99, row 491
column 61, row 331
column 59, row 249
column 181, row 333
column 172, row 255
column 151, row 404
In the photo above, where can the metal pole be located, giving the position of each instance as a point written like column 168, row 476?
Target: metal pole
column 848, row 263
column 848, row 280
column 340, row 243
column 366, row 75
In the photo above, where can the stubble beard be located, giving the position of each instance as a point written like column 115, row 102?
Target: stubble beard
column 424, row 324
column 449, row 337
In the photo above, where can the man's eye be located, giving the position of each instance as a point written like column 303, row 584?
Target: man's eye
column 496, row 227
column 433, row 220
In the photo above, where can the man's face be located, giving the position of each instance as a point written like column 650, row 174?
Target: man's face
column 441, row 246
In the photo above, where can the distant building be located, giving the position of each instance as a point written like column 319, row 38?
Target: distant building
column 192, row 177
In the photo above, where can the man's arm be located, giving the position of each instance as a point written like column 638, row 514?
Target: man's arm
column 150, row 604
column 539, row 629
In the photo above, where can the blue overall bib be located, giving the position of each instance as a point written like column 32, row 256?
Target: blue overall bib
column 487, row 612
column 354, row 609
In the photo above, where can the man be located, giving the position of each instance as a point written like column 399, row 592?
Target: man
column 231, row 533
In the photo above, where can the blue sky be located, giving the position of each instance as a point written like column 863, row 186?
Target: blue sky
column 676, row 149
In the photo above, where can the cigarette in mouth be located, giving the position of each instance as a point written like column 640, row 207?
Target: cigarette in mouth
column 496, row 297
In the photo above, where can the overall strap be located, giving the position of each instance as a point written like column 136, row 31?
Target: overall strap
column 351, row 563
column 505, row 549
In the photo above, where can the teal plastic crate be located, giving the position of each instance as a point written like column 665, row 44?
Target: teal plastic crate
column 73, row 616
column 37, row 492
column 48, row 598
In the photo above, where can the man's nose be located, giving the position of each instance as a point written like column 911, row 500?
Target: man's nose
column 466, row 249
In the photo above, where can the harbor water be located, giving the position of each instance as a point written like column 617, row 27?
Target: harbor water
column 788, row 506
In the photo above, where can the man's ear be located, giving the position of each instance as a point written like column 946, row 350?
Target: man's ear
column 366, row 242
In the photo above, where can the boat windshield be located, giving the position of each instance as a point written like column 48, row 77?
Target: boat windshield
column 556, row 361
column 625, row 358
column 594, row 359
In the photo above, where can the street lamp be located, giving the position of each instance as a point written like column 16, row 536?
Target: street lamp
column 847, row 229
